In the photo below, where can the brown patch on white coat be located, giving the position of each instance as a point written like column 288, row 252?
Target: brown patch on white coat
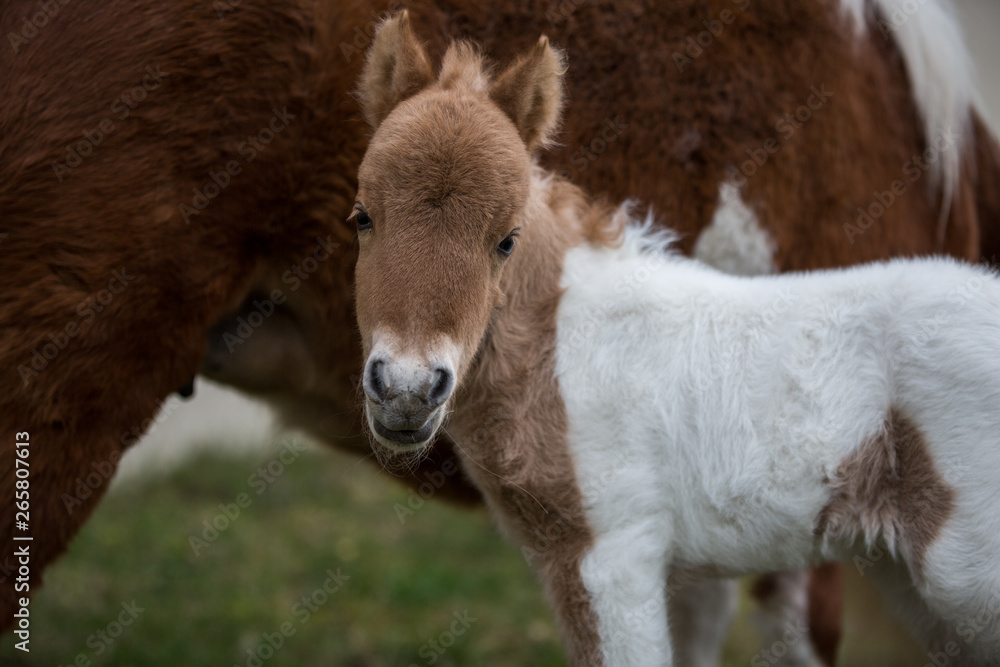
column 889, row 487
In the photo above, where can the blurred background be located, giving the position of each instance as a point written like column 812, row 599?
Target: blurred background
column 328, row 561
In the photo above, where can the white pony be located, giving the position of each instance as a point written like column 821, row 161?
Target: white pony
column 634, row 417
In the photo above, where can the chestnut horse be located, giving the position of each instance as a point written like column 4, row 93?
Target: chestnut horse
column 173, row 180
column 666, row 416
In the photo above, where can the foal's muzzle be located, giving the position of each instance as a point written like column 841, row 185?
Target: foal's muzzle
column 406, row 399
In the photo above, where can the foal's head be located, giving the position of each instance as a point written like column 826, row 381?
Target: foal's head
column 440, row 197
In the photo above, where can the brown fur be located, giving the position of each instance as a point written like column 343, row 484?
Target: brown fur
column 889, row 489
column 119, row 208
column 985, row 174
column 389, row 78
column 432, row 180
column 530, row 93
column 516, row 373
column 428, row 268
column 825, row 608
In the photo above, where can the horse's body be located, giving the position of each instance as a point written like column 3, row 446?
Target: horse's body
column 755, row 424
column 662, row 418
column 168, row 168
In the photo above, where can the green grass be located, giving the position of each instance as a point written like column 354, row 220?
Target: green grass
column 406, row 580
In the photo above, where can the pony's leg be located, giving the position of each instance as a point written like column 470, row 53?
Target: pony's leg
column 700, row 613
column 783, row 619
column 625, row 573
column 956, row 626
column 892, row 580
column 826, row 610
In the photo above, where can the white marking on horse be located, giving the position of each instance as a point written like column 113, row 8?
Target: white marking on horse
column 735, row 242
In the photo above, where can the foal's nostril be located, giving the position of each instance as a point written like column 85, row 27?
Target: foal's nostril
column 374, row 381
column 441, row 389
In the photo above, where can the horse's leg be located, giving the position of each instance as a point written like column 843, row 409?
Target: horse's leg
column 952, row 613
column 783, row 619
column 905, row 603
column 625, row 573
column 826, row 601
column 700, row 613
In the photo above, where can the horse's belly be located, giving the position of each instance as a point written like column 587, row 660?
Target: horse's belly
column 629, row 486
column 747, row 545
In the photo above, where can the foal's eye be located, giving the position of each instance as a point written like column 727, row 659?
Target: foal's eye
column 362, row 220
column 506, row 246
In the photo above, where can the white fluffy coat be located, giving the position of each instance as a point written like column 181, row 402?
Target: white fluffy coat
column 725, row 404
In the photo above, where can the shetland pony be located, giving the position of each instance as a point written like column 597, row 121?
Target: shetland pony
column 134, row 142
column 666, row 419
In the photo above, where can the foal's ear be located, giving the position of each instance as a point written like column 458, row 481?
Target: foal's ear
column 530, row 91
column 396, row 67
